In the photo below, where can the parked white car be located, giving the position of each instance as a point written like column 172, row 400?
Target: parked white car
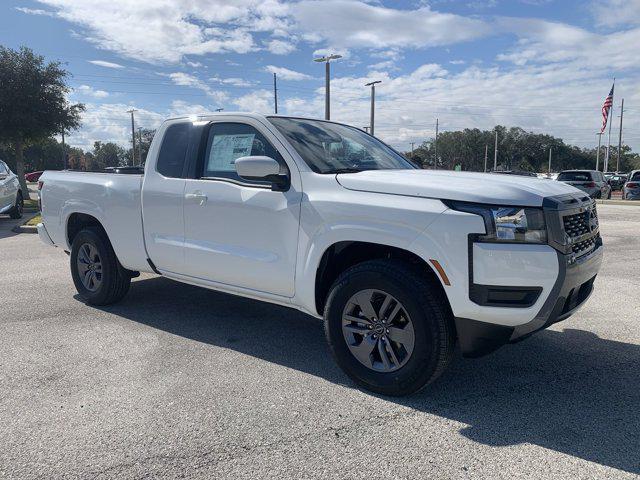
column 11, row 200
column 325, row 218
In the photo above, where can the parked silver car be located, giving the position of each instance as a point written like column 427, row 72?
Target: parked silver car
column 11, row 200
column 592, row 182
column 631, row 189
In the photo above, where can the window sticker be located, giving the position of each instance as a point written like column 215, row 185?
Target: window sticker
column 226, row 148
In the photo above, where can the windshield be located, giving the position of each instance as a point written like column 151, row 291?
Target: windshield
column 334, row 148
column 575, row 177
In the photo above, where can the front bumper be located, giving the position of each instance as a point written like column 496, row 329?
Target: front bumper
column 577, row 271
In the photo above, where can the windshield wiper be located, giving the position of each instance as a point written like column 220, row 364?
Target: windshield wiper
column 346, row 170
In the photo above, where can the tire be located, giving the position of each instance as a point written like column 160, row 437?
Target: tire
column 111, row 281
column 16, row 211
column 426, row 310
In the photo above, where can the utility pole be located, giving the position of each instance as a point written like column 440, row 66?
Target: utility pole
column 366, row 129
column 139, row 145
column 620, row 136
column 412, row 144
column 486, row 151
column 133, row 137
column 275, row 93
column 599, row 134
column 495, row 153
column 327, row 77
column 64, row 154
column 435, row 148
column 373, row 102
column 550, row 149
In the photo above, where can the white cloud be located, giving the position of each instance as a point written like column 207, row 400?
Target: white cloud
column 260, row 101
column 233, row 81
column 187, row 80
column 280, row 47
column 91, row 92
column 110, row 122
column 165, row 30
column 611, row 13
column 351, row 24
column 286, row 74
column 550, row 42
column 35, row 11
column 103, row 63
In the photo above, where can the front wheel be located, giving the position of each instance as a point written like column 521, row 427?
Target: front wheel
column 96, row 272
column 388, row 327
column 16, row 211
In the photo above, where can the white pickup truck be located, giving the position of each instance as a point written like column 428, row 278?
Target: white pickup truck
column 322, row 217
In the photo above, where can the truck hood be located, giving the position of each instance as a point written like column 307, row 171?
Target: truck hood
column 488, row 188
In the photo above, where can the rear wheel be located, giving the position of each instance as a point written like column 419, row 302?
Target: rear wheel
column 18, row 208
column 388, row 327
column 96, row 272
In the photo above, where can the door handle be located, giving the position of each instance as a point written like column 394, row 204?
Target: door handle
column 197, row 196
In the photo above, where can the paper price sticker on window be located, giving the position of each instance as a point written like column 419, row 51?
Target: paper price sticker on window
column 226, row 148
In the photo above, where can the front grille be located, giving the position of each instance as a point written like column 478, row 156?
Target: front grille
column 582, row 230
column 577, row 224
column 583, row 246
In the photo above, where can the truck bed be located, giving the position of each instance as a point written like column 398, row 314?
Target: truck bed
column 112, row 198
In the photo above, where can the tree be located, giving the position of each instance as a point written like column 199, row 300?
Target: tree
column 33, row 103
column 517, row 150
column 106, row 155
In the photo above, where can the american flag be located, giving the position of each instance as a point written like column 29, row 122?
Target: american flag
column 606, row 106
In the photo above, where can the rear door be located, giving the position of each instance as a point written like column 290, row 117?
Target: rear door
column 238, row 232
column 163, row 196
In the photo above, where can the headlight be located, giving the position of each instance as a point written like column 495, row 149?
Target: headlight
column 507, row 224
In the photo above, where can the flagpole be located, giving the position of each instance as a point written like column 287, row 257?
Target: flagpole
column 606, row 158
column 598, row 151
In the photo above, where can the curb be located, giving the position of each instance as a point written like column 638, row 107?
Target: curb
column 27, row 228
column 628, row 203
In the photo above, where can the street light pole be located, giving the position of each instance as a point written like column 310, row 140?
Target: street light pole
column 373, row 102
column 327, row 77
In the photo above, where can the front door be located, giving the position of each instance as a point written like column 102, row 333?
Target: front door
column 6, row 197
column 237, row 232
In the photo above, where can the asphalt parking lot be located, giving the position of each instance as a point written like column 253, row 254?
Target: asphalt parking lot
column 178, row 381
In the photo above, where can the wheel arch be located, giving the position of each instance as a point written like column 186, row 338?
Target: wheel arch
column 344, row 254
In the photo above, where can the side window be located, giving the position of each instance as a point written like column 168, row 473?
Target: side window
column 228, row 141
column 173, row 150
column 3, row 169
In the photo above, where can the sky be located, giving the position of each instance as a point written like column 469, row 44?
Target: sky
column 543, row 65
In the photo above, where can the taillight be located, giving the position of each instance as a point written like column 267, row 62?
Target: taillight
column 632, row 185
column 40, row 185
column 590, row 184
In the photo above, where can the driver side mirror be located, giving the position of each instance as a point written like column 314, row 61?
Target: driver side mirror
column 261, row 168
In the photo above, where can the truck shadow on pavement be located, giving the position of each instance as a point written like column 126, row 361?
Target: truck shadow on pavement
column 571, row 392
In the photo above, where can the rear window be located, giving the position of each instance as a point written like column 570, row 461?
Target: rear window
column 575, row 177
column 635, row 177
column 173, row 150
